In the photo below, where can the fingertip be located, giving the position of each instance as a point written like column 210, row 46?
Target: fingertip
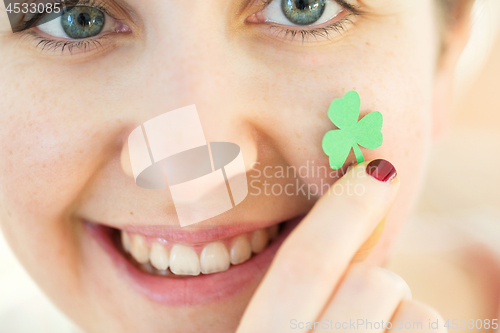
column 414, row 311
column 382, row 170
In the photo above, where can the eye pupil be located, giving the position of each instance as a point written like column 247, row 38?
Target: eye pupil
column 303, row 12
column 302, row 4
column 83, row 19
column 82, row 22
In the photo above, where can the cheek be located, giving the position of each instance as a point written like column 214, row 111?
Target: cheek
column 391, row 63
column 29, row 144
column 295, row 114
column 44, row 166
column 45, row 161
column 50, row 149
column 52, row 138
column 37, row 169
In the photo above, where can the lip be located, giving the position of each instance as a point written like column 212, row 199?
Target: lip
column 194, row 235
column 193, row 290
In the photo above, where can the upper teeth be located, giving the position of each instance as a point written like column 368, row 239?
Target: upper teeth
column 139, row 249
column 159, row 256
column 240, row 250
column 184, row 260
column 214, row 258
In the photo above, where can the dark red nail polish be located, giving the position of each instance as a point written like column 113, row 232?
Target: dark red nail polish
column 381, row 170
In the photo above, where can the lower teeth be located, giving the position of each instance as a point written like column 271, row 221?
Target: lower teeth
column 148, row 268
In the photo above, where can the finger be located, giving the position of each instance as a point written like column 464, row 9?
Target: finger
column 315, row 255
column 366, row 300
column 413, row 316
column 368, row 246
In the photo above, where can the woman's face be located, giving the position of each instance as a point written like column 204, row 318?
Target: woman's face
column 65, row 118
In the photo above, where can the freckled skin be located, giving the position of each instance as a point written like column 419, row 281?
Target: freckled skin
column 63, row 125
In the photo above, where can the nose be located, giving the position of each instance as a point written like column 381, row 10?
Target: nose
column 170, row 151
column 247, row 145
column 175, row 76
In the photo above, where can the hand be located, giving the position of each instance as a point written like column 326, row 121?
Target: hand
column 313, row 277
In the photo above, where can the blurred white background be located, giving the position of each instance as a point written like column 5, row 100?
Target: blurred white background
column 456, row 227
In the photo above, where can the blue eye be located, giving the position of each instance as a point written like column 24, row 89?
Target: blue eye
column 303, row 12
column 79, row 22
column 82, row 22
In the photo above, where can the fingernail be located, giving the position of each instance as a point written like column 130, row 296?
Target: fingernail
column 381, row 170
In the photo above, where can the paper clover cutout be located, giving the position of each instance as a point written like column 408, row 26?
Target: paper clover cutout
column 344, row 113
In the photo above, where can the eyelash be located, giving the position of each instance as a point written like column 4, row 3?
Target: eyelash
column 323, row 32
column 53, row 45
column 46, row 43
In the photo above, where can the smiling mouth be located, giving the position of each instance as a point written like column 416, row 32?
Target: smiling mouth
column 158, row 256
column 181, row 267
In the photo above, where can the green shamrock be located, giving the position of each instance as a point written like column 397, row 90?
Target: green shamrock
column 344, row 113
